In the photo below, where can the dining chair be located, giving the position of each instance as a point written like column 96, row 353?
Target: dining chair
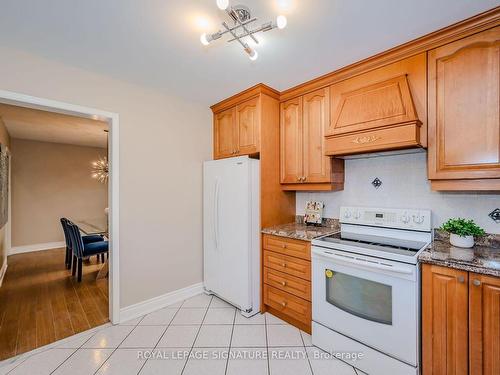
column 82, row 250
column 85, row 239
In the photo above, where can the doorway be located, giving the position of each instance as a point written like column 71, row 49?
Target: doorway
column 49, row 257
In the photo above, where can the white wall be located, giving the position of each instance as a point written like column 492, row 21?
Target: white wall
column 404, row 185
column 163, row 141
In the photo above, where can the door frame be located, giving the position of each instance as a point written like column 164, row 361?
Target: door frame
column 27, row 101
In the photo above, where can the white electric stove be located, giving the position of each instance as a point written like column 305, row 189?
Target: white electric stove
column 366, row 295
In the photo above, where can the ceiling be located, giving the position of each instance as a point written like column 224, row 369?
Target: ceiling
column 37, row 125
column 156, row 42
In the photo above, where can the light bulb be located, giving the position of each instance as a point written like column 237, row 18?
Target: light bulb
column 222, row 4
column 204, row 39
column 253, row 55
column 281, row 22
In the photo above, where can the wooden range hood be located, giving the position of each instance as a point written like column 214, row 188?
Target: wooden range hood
column 379, row 116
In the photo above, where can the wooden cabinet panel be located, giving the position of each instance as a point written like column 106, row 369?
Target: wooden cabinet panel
column 288, row 304
column 316, row 112
column 292, row 266
column 224, row 133
column 247, row 127
column 393, row 138
column 444, row 321
column 464, row 108
column 291, row 141
column 396, row 93
column 286, row 246
column 291, row 284
column 373, row 106
column 484, row 324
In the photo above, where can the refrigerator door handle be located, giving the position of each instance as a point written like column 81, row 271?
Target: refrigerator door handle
column 216, row 214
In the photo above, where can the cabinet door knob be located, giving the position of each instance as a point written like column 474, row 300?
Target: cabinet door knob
column 283, row 283
column 283, row 265
column 461, row 279
column 476, row 282
column 283, row 304
column 283, row 246
column 304, row 178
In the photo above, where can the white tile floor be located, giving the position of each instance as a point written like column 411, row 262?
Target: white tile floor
column 202, row 335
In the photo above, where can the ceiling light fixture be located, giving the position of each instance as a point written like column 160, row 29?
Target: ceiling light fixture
column 242, row 18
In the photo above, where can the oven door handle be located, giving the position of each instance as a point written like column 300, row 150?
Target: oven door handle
column 379, row 266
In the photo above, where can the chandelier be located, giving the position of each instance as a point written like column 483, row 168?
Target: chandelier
column 100, row 169
column 242, row 18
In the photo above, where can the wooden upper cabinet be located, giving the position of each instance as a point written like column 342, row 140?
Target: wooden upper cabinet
column 316, row 114
column 464, row 111
column 304, row 165
column 247, row 127
column 484, row 324
column 382, row 109
column 444, row 321
column 291, row 161
column 224, row 133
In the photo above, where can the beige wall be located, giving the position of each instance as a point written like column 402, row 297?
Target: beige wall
column 5, row 139
column 163, row 141
column 50, row 181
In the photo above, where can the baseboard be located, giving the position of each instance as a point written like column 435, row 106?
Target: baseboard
column 3, row 270
column 36, row 247
column 156, row 303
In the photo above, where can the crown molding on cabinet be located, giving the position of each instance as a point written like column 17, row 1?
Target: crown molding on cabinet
column 459, row 30
column 245, row 95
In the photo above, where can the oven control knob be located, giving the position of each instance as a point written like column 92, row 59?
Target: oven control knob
column 357, row 215
column 405, row 218
column 418, row 219
column 347, row 214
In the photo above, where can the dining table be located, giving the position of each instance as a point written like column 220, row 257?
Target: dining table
column 96, row 226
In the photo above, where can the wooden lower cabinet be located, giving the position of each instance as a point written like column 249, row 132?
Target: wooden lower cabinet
column 484, row 324
column 286, row 277
column 460, row 322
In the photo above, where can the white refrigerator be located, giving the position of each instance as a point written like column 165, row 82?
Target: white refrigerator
column 231, row 231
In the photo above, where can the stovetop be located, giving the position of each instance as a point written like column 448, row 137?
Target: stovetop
column 379, row 243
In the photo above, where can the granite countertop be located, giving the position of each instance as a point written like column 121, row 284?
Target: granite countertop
column 300, row 231
column 483, row 258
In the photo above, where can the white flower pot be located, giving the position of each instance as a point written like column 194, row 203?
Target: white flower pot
column 456, row 240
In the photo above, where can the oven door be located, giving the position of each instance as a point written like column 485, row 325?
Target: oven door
column 370, row 300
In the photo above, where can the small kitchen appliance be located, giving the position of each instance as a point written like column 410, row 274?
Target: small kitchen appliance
column 366, row 294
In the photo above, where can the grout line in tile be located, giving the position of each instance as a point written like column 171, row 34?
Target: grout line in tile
column 163, row 334
column 196, row 337
column 230, row 342
column 307, row 354
column 115, row 349
column 267, row 345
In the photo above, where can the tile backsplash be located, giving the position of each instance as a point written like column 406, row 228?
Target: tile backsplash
column 404, row 185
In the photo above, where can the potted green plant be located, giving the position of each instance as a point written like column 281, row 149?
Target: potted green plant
column 462, row 232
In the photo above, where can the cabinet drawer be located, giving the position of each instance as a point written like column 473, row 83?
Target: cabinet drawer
column 291, row 284
column 296, row 248
column 376, row 140
column 288, row 304
column 290, row 265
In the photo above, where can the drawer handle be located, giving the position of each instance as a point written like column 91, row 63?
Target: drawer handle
column 476, row 282
column 283, row 246
column 366, row 139
column 283, row 303
column 283, row 265
column 283, row 283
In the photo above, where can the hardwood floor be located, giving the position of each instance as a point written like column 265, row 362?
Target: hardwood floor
column 40, row 302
